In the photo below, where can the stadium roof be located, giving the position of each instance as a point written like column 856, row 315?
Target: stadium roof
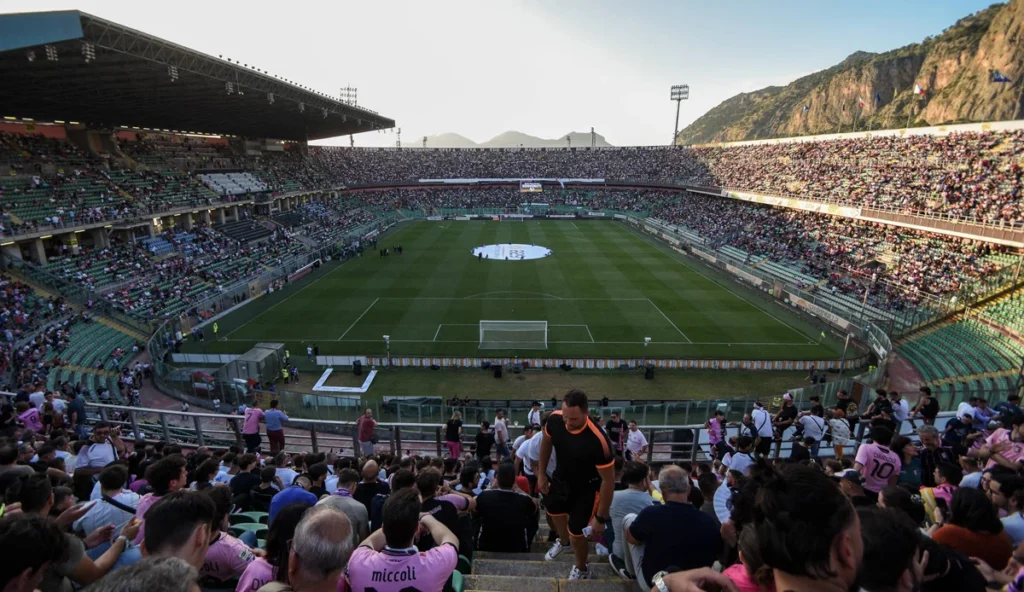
column 72, row 66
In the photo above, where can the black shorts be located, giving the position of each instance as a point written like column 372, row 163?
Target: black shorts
column 579, row 504
column 764, row 447
column 252, row 442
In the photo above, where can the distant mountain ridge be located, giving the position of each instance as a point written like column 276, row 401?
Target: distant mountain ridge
column 954, row 68
column 509, row 139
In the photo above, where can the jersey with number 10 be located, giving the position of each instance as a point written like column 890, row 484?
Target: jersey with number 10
column 879, row 464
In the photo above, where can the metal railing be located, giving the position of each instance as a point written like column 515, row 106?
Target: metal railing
column 668, row 442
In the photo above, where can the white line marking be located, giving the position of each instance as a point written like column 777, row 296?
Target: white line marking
column 589, row 333
column 357, row 319
column 669, row 320
column 713, row 281
column 438, row 331
column 548, row 296
column 574, row 225
column 510, row 298
column 225, row 338
column 638, row 341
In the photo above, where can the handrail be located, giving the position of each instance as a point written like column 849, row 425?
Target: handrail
column 673, row 440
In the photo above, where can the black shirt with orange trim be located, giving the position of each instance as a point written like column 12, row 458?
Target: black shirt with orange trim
column 581, row 453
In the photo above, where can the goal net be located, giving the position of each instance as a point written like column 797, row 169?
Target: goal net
column 513, row 334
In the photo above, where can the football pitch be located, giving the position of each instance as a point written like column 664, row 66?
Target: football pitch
column 602, row 289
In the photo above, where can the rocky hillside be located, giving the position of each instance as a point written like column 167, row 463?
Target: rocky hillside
column 954, row 67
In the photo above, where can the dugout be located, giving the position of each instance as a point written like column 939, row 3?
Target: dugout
column 262, row 363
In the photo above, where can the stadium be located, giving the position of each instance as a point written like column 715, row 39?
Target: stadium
column 175, row 252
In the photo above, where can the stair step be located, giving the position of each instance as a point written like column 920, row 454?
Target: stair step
column 565, row 557
column 541, row 546
column 510, row 584
column 610, row 585
column 535, row 569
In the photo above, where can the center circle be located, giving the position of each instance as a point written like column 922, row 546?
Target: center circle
column 511, row 252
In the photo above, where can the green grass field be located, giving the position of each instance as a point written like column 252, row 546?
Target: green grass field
column 603, row 290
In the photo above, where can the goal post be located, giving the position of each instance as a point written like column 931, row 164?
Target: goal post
column 513, row 334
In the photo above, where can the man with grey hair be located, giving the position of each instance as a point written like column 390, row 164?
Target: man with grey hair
column 319, row 551
column 675, row 534
column 932, row 454
column 153, row 574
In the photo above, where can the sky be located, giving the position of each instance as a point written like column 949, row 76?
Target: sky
column 545, row 68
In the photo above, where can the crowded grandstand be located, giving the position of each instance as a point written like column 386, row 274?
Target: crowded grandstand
column 138, row 454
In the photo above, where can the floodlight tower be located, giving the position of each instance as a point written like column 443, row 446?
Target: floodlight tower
column 680, row 93
column 349, row 95
column 398, row 140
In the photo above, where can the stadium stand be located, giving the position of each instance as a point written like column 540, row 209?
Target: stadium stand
column 967, row 175
column 232, row 183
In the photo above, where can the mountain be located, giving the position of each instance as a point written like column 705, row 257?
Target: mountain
column 510, row 139
column 954, row 67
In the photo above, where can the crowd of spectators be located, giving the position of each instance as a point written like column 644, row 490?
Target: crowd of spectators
column 383, row 165
column 945, row 514
column 966, row 175
column 917, row 263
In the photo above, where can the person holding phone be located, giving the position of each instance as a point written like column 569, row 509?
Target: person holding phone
column 104, row 448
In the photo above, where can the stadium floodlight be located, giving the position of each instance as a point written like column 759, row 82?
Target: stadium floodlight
column 51, row 52
column 387, row 345
column 680, row 93
column 513, row 335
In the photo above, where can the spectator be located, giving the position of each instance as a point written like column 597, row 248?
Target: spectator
column 743, row 459
column 252, row 417
column 165, row 476
column 500, row 435
column 910, row 464
column 180, row 525
column 262, row 494
column 31, row 546
column 228, row 557
column 974, row 529
column 653, row 534
column 882, row 464
column 895, row 497
column 9, row 462
column 508, row 516
column 245, row 479
column 898, row 557
column 274, row 419
column 762, row 430
column 155, row 574
column 453, row 435
column 370, row 486
column 632, row 500
column 366, row 433
column 636, row 442
column 117, row 505
column 386, row 558
column 402, row 479
column 317, row 475
column 35, row 494
column 285, row 473
column 947, row 479
column 802, row 450
column 266, row 569
column 814, row 426
column 205, row 473
column 932, row 454
column 297, row 493
column 1004, row 447
column 1001, row 488
column 484, row 441
column 807, row 531
column 1014, row 522
column 342, row 499
column 104, row 448
column 451, row 509
column 841, row 430
column 319, row 551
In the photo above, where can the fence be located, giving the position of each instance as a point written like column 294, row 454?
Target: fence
column 684, row 442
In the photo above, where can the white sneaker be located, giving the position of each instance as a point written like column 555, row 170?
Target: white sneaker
column 580, row 574
column 555, row 550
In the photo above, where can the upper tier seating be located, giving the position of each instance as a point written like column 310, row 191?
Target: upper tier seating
column 233, row 183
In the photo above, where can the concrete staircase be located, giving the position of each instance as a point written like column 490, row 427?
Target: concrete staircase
column 528, row 572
